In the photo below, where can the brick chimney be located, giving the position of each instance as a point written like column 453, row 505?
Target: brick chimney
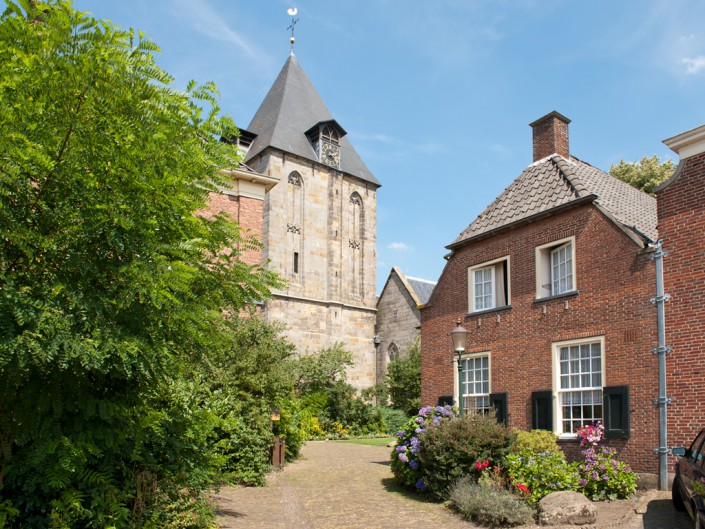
column 551, row 136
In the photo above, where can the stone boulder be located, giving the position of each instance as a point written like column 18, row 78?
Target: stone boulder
column 566, row 508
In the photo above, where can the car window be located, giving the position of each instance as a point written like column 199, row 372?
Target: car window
column 697, row 451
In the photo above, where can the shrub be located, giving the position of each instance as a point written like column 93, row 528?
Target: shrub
column 541, row 472
column 450, row 449
column 317, row 371
column 377, row 394
column 404, row 381
column 355, row 415
column 602, row 477
column 291, row 427
column 487, row 503
column 394, row 420
column 537, row 441
column 405, row 464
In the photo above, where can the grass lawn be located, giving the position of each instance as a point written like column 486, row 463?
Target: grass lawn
column 377, row 441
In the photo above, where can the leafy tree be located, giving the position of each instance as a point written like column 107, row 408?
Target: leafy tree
column 404, row 381
column 644, row 175
column 113, row 291
column 241, row 385
column 320, row 370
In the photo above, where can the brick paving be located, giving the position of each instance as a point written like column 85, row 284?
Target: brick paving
column 350, row 486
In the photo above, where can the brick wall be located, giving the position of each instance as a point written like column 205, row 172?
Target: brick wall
column 247, row 212
column 615, row 281
column 550, row 136
column 681, row 216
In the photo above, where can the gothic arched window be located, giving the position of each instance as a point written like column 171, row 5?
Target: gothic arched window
column 356, row 234
column 393, row 352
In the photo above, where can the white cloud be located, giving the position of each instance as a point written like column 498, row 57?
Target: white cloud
column 400, row 246
column 694, row 65
column 205, row 19
column 401, row 148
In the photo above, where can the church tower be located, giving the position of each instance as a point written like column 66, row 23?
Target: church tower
column 320, row 227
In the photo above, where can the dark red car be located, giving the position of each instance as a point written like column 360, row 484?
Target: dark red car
column 688, row 490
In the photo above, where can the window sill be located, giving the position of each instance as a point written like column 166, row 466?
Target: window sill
column 568, row 438
column 570, row 294
column 487, row 311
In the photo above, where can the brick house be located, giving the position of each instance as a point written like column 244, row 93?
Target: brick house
column 398, row 316
column 553, row 282
column 243, row 199
column 681, row 223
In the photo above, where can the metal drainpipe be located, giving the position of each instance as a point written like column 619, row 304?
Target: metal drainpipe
column 662, row 350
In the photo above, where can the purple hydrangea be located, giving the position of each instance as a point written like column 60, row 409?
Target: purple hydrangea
column 400, row 433
column 437, row 419
column 402, row 457
column 582, row 482
column 425, row 411
column 400, row 449
column 421, row 485
column 414, row 464
column 419, row 431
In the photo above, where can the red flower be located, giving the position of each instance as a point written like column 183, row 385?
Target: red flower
column 523, row 488
column 480, row 465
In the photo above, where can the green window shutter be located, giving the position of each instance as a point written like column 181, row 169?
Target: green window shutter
column 499, row 402
column 616, row 409
column 445, row 400
column 542, row 410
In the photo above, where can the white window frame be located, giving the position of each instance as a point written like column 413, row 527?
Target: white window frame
column 472, row 307
column 559, row 392
column 464, row 358
column 544, row 267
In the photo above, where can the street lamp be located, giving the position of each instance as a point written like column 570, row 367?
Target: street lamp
column 459, row 335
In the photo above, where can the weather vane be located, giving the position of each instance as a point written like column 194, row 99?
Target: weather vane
column 292, row 11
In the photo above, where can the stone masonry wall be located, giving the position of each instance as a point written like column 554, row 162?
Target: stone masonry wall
column 321, row 305
column 398, row 321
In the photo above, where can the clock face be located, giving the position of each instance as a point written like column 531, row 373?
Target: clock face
column 330, row 154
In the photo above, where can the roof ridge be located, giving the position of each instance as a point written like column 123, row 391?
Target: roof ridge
column 569, row 175
column 412, row 278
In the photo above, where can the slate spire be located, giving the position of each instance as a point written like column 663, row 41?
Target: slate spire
column 290, row 109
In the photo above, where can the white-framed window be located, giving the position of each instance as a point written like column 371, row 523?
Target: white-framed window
column 474, row 383
column 555, row 268
column 488, row 285
column 579, row 378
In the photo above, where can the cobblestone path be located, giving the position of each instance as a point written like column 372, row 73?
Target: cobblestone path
column 349, row 486
column 333, row 486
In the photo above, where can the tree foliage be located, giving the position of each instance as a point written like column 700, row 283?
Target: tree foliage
column 319, row 370
column 645, row 174
column 404, row 381
column 114, row 293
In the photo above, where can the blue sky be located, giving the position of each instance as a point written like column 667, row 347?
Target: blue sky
column 436, row 96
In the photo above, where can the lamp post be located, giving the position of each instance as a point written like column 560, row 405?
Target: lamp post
column 459, row 335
